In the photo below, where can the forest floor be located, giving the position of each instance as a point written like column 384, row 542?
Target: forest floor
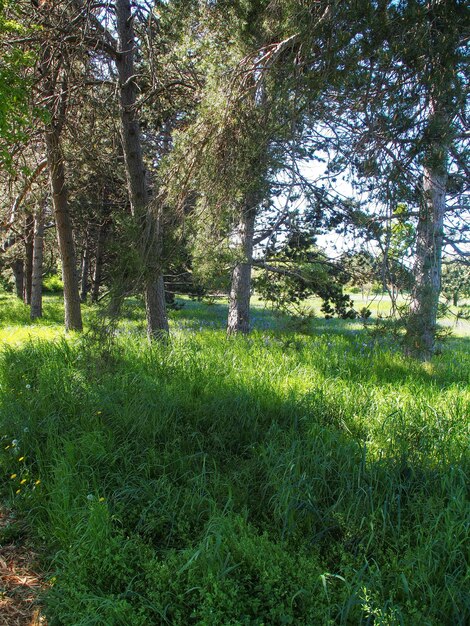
column 19, row 580
column 307, row 474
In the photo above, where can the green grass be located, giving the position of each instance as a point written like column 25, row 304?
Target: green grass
column 285, row 478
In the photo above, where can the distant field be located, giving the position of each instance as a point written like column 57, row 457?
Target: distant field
column 301, row 475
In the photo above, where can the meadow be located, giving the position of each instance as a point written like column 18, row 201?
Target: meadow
column 302, row 475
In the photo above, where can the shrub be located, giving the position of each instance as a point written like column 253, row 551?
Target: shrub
column 52, row 284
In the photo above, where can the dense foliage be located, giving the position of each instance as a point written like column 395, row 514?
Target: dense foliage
column 14, row 87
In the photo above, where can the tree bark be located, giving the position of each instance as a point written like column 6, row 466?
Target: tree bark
column 157, row 322
column 38, row 256
column 55, row 94
column 240, row 291
column 99, row 257
column 18, row 273
column 73, row 315
column 155, row 306
column 28, row 260
column 421, row 328
column 85, row 269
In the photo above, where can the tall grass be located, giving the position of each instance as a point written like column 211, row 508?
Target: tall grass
column 283, row 478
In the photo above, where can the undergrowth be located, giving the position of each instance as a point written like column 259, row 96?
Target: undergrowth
column 278, row 479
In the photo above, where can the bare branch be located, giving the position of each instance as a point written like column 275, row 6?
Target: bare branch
column 23, row 193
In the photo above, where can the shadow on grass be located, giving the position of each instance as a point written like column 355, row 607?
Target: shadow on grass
column 214, row 315
column 174, row 439
column 350, row 343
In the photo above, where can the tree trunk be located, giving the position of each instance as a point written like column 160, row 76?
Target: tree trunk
column 38, row 255
column 421, row 329
column 240, row 291
column 84, row 282
column 28, row 261
column 55, row 95
column 157, row 319
column 98, row 271
column 73, row 315
column 18, row 273
column 157, row 322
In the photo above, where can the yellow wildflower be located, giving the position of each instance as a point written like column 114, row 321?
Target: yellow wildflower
column 21, row 459
column 13, row 476
column 22, row 482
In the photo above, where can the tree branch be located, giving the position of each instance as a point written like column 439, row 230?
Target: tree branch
column 21, row 196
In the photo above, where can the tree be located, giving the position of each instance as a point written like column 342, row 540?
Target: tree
column 135, row 59
column 37, row 261
column 226, row 144
column 444, row 24
column 55, row 71
column 249, row 123
column 146, row 216
column 402, row 127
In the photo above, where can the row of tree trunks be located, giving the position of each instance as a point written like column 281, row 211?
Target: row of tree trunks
column 92, row 268
column 27, row 271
